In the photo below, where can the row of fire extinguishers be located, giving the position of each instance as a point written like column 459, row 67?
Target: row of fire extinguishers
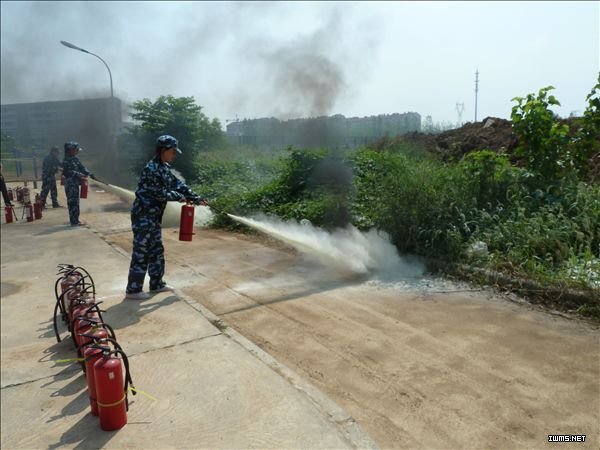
column 34, row 210
column 31, row 210
column 102, row 359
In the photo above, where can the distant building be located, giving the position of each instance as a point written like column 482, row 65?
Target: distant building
column 326, row 131
column 94, row 123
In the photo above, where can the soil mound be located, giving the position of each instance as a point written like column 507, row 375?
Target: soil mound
column 492, row 133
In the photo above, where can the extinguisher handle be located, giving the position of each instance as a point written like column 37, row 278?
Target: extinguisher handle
column 98, row 310
column 62, row 268
column 110, row 330
column 86, row 319
column 99, row 343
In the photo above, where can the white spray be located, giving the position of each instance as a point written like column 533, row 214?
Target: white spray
column 347, row 249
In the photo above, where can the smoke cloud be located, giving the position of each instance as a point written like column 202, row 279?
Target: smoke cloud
column 248, row 59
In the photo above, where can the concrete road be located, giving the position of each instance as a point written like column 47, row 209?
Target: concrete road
column 213, row 388
column 418, row 363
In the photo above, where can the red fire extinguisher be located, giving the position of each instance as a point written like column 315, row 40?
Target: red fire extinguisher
column 26, row 193
column 9, row 212
column 91, row 354
column 111, row 388
column 37, row 207
column 84, row 187
column 28, row 210
column 62, row 180
column 186, row 224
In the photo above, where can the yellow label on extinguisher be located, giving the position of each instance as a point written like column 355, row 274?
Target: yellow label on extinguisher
column 111, row 375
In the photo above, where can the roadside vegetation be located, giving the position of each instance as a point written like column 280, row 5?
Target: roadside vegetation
column 532, row 215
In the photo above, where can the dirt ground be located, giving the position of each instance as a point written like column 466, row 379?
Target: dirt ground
column 419, row 363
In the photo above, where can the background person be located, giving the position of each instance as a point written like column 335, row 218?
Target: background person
column 156, row 186
column 4, row 190
column 73, row 171
column 50, row 166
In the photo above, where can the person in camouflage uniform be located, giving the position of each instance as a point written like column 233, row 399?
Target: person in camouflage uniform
column 50, row 166
column 5, row 196
column 73, row 170
column 156, row 186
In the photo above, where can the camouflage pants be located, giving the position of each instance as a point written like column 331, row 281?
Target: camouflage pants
column 72, row 193
column 49, row 185
column 148, row 256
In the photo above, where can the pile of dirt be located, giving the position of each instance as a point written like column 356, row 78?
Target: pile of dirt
column 492, row 133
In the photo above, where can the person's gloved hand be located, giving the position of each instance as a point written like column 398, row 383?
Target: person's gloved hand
column 177, row 196
column 197, row 200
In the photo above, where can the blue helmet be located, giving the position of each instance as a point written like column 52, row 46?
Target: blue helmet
column 168, row 142
column 72, row 145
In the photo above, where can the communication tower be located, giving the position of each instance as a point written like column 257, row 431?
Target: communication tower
column 476, row 91
column 460, row 107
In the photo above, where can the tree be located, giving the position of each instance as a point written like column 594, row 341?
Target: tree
column 542, row 138
column 586, row 141
column 180, row 117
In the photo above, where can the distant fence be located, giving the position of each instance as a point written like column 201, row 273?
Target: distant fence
column 21, row 169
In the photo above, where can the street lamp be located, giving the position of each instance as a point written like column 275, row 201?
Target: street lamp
column 74, row 47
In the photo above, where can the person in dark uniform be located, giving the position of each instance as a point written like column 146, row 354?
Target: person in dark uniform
column 5, row 196
column 73, row 171
column 156, row 186
column 50, row 166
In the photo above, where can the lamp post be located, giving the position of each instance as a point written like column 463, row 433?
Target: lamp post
column 112, row 131
column 74, row 47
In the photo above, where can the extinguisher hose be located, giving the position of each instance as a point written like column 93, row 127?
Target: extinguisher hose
column 60, row 305
column 58, row 280
column 56, row 307
column 69, row 269
column 84, row 284
column 90, row 278
column 98, row 310
column 128, row 380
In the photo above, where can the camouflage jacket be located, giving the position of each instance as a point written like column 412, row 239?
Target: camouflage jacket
column 50, row 166
column 72, row 168
column 156, row 186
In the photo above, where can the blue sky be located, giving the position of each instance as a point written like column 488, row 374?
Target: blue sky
column 297, row 59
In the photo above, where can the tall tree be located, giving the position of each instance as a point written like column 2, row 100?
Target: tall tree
column 180, row 117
